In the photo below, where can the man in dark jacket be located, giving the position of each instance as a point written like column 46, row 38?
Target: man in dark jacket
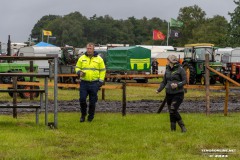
column 155, row 66
column 173, row 81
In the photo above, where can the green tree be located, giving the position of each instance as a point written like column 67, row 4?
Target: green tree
column 42, row 24
column 213, row 30
column 234, row 28
column 192, row 17
column 68, row 30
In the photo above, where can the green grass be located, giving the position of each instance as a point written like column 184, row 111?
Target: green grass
column 111, row 136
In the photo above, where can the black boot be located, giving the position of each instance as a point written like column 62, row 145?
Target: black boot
column 83, row 108
column 173, row 126
column 182, row 126
column 91, row 112
column 82, row 119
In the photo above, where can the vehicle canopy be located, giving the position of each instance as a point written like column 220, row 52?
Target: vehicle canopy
column 233, row 57
column 197, row 51
column 133, row 58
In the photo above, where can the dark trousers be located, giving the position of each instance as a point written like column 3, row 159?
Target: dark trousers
column 88, row 89
column 173, row 102
column 154, row 70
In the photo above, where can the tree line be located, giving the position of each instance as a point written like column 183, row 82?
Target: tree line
column 76, row 29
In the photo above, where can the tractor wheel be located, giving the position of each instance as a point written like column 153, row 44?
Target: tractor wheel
column 202, row 80
column 190, row 72
column 213, row 80
column 26, row 95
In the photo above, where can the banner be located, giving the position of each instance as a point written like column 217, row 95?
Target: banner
column 175, row 34
column 175, row 23
column 47, row 33
column 157, row 35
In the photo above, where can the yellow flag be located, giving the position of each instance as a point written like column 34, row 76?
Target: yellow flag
column 47, row 33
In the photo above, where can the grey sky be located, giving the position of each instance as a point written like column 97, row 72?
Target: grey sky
column 19, row 16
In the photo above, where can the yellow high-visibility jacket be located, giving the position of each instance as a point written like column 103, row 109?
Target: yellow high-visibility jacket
column 94, row 68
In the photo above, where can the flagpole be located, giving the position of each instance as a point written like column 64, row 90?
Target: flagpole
column 42, row 35
column 167, row 33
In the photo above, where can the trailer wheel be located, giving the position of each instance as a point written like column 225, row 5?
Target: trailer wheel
column 10, row 93
column 26, row 95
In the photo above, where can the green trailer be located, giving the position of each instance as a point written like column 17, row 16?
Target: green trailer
column 129, row 60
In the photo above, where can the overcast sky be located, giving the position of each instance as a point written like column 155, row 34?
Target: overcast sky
column 19, row 16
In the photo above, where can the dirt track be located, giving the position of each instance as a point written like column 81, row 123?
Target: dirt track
column 143, row 106
column 150, row 106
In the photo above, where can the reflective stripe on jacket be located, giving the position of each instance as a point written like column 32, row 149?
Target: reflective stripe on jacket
column 94, row 68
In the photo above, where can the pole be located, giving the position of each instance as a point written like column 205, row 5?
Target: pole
column 226, row 98
column 124, row 103
column 167, row 33
column 55, row 92
column 9, row 46
column 207, row 74
column 42, row 35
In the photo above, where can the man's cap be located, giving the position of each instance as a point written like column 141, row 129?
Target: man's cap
column 172, row 59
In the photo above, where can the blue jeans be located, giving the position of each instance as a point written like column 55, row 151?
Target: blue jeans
column 88, row 89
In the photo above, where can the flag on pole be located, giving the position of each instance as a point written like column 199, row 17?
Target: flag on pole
column 175, row 34
column 47, row 33
column 175, row 23
column 157, row 35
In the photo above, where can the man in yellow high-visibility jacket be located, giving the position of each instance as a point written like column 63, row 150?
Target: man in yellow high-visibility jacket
column 91, row 69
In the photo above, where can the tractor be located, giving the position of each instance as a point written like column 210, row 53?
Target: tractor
column 194, row 62
column 18, row 68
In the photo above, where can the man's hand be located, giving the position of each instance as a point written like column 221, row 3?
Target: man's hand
column 157, row 91
column 80, row 73
column 100, row 84
column 174, row 85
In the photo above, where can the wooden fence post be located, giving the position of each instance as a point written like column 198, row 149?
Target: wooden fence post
column 124, row 103
column 226, row 98
column 103, row 92
column 207, row 74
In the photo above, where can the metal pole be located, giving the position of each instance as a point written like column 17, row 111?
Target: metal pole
column 15, row 97
column 167, row 33
column 46, row 100
column 42, row 35
column 55, row 92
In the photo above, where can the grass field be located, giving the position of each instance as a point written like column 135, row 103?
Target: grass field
column 111, row 136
